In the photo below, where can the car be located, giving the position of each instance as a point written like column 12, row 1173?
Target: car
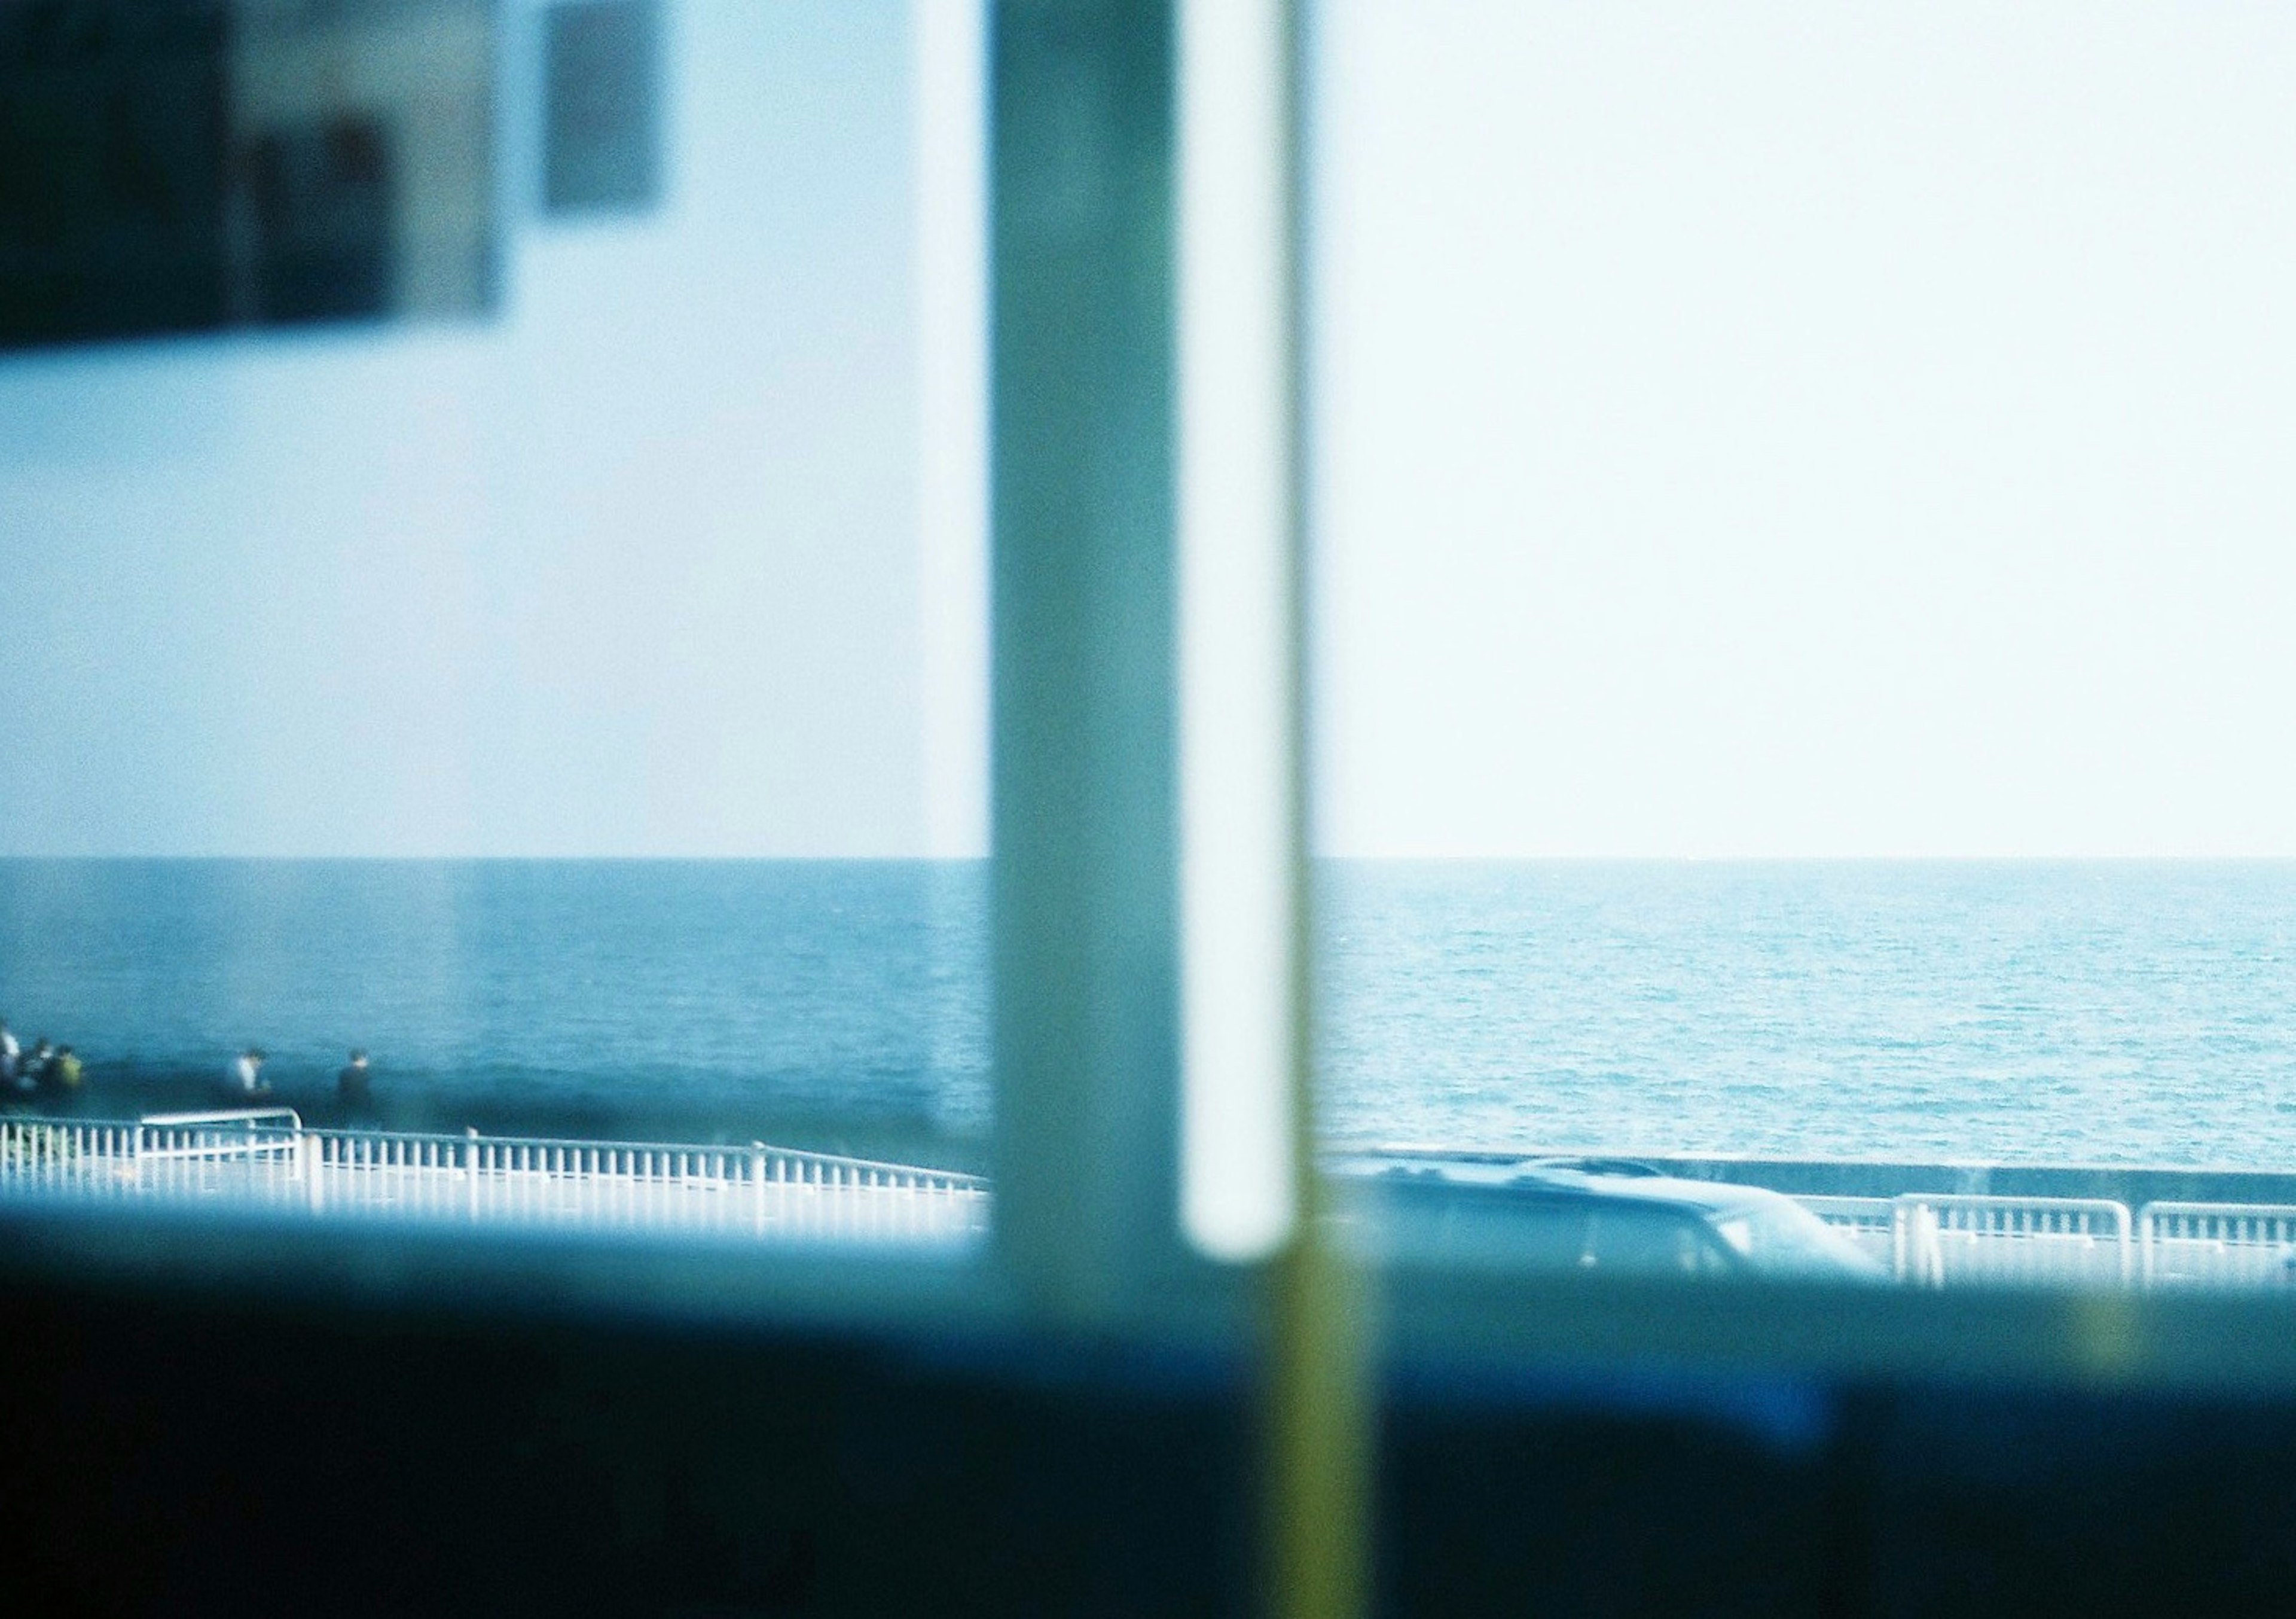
column 1585, row 1216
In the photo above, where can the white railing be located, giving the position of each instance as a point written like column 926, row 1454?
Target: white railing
column 2022, row 1240
column 267, row 1157
column 1942, row 1240
column 270, row 1158
column 245, row 1132
column 2217, row 1245
column 1936, row 1239
column 250, row 1116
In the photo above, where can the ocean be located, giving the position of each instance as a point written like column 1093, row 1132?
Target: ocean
column 2031, row 1012
column 2014, row 1012
column 822, row 1004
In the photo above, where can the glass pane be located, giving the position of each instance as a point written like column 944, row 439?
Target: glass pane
column 564, row 685
column 1803, row 617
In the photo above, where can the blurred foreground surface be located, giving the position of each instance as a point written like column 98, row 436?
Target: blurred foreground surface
column 222, row 1450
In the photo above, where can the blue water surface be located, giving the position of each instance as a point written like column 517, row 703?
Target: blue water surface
column 2011, row 1012
column 834, row 1000
column 2019, row 1011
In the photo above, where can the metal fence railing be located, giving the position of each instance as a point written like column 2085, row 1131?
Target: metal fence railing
column 1932, row 1239
column 1937, row 1240
column 2217, row 1245
column 2018, row 1240
column 269, row 1158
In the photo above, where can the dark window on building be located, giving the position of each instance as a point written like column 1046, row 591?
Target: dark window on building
column 112, row 136
column 602, row 124
column 323, row 197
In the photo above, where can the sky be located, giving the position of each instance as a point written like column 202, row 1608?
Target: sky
column 630, row 569
column 1806, row 430
column 1763, row 430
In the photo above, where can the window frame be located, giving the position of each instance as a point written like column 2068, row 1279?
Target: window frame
column 1086, row 948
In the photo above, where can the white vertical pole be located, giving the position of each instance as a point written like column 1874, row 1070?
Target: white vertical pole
column 1238, row 702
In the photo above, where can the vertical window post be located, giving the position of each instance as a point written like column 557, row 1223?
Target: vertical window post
column 1083, row 797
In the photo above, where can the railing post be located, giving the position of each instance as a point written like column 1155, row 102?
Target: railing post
column 647, row 1183
column 1920, row 1251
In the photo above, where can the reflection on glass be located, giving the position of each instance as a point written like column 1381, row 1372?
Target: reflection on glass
column 536, row 703
column 196, row 164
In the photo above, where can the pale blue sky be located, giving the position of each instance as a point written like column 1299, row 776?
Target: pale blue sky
column 1809, row 429
column 630, row 570
column 1768, row 428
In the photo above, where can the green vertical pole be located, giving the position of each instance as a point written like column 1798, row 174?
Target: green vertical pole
column 1320, row 1436
column 1083, row 798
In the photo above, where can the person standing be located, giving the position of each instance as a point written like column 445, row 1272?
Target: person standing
column 247, row 1074
column 354, row 1091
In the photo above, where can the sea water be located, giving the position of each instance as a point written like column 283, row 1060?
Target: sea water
column 825, row 1004
column 2011, row 1012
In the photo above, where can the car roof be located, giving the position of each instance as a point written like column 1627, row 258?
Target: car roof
column 1610, row 1179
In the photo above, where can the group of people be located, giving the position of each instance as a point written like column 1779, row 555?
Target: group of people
column 56, row 1072
column 45, row 1070
column 354, row 1089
